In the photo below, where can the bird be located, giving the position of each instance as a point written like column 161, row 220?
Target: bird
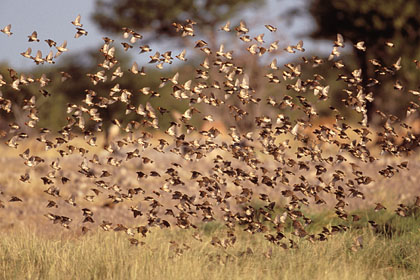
column 63, row 47
column 80, row 32
column 360, row 46
column 271, row 28
column 226, row 27
column 6, row 30
column 51, row 43
column 33, row 37
column 27, row 53
column 76, row 22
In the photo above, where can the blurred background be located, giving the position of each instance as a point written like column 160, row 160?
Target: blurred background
column 316, row 22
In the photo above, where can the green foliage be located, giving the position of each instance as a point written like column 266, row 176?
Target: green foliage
column 367, row 20
column 60, row 92
column 375, row 22
column 157, row 16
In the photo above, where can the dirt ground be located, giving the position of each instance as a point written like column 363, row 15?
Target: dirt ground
column 79, row 191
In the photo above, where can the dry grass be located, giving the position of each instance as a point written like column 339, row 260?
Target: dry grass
column 174, row 254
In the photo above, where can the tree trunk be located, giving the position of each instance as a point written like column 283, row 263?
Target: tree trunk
column 370, row 106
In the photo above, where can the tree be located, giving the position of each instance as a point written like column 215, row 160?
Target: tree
column 157, row 16
column 58, row 92
column 375, row 22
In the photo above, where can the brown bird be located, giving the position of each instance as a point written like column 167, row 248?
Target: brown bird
column 33, row 37
column 226, row 27
column 15, row 199
column 80, row 32
column 379, row 207
column 27, row 53
column 76, row 22
column 271, row 28
column 6, row 30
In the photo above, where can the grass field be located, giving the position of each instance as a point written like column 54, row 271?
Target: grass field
column 389, row 251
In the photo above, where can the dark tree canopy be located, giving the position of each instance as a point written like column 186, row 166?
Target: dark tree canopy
column 158, row 15
column 375, row 22
column 367, row 20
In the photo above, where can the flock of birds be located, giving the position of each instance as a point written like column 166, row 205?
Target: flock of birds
column 226, row 173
